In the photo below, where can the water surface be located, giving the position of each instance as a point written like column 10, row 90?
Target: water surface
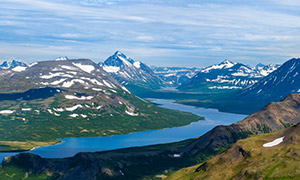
column 71, row 146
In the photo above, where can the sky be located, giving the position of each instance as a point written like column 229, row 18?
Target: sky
column 191, row 33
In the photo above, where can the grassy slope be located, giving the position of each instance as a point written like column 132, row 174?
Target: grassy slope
column 278, row 162
column 45, row 127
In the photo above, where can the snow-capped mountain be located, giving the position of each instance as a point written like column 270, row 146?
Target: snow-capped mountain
column 8, row 64
column 80, row 83
column 130, row 72
column 227, row 75
column 73, row 98
column 175, row 76
column 62, row 58
column 78, row 73
column 277, row 84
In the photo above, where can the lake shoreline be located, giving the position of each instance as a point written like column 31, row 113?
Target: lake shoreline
column 70, row 146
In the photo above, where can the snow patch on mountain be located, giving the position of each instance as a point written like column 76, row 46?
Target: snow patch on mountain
column 137, row 64
column 62, row 58
column 111, row 69
column 86, row 68
column 19, row 69
column 79, row 98
column 274, row 143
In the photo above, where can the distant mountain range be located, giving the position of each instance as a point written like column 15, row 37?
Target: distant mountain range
column 131, row 73
column 8, row 64
column 277, row 84
column 175, row 76
column 227, row 75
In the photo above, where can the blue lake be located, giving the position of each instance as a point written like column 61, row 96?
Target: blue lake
column 71, row 146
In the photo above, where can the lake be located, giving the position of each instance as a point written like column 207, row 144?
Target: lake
column 71, row 146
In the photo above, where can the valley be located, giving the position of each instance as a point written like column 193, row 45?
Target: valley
column 48, row 100
column 149, row 90
column 98, row 105
column 71, row 146
column 150, row 161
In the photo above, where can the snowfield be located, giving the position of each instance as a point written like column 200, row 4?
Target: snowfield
column 131, row 113
column 79, row 98
column 7, row 112
column 274, row 143
column 19, row 68
column 74, row 107
column 86, row 68
column 111, row 69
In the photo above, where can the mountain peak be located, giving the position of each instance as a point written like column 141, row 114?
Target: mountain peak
column 223, row 65
column 260, row 65
column 62, row 58
column 226, row 61
column 126, row 70
column 11, row 63
column 118, row 53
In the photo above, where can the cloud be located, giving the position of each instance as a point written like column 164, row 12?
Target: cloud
column 156, row 30
column 68, row 35
column 145, row 38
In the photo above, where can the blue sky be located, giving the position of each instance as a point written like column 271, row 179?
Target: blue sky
column 157, row 32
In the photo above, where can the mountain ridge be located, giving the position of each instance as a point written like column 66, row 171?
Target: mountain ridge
column 264, row 156
column 277, row 84
column 9, row 64
column 227, row 75
column 129, row 72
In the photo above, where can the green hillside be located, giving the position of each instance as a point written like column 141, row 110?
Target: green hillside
column 248, row 159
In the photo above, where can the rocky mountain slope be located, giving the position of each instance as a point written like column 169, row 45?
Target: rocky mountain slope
column 268, row 156
column 276, row 85
column 175, row 76
column 131, row 73
column 227, row 75
column 73, row 98
column 9, row 64
column 143, row 162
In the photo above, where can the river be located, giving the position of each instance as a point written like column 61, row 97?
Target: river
column 71, row 146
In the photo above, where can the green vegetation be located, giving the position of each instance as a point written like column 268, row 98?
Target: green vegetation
column 30, row 128
column 11, row 172
column 23, row 145
column 248, row 159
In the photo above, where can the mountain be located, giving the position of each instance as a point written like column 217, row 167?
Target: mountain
column 175, row 76
column 9, row 64
column 277, row 84
column 130, row 72
column 270, row 156
column 74, row 98
column 227, row 75
column 146, row 162
column 62, row 58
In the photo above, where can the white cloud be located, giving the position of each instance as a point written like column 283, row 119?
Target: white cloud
column 69, row 35
column 94, row 28
column 145, row 38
